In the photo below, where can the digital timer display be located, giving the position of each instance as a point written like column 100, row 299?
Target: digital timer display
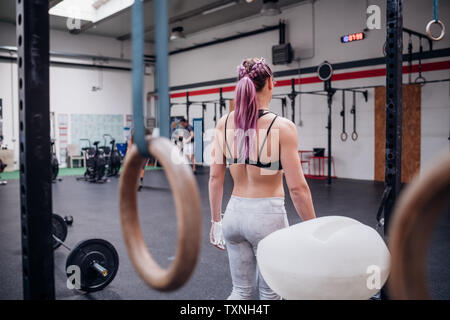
column 353, row 37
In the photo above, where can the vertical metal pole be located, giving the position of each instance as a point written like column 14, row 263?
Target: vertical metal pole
column 221, row 101
column 394, row 49
column 330, row 100
column 293, row 95
column 203, row 117
column 282, row 34
column 162, row 65
column 34, row 125
column 215, row 113
column 188, row 104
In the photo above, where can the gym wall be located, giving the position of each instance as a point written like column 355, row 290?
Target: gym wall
column 71, row 87
column 353, row 159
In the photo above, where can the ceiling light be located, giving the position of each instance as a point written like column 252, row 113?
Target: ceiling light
column 89, row 10
column 224, row 6
column 177, row 33
column 270, row 8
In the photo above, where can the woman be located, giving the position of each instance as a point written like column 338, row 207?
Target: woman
column 257, row 145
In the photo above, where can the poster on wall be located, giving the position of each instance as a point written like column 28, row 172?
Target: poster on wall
column 95, row 126
column 63, row 124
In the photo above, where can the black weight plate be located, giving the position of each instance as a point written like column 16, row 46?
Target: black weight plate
column 59, row 229
column 83, row 256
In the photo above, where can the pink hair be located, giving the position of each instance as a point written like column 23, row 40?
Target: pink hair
column 253, row 74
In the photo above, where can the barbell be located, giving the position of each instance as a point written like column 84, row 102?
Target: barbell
column 96, row 259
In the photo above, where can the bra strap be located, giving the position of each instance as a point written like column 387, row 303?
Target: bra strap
column 265, row 138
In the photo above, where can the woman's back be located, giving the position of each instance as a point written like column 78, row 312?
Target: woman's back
column 251, row 180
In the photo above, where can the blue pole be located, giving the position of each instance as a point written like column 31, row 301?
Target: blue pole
column 162, row 65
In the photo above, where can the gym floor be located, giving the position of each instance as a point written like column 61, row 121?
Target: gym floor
column 95, row 211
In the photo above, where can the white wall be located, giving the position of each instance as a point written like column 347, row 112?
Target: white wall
column 71, row 87
column 333, row 18
column 435, row 129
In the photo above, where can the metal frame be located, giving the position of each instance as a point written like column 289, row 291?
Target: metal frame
column 394, row 49
column 35, row 174
column 329, row 92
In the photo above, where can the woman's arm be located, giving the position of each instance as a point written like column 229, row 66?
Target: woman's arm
column 216, row 178
column 217, row 174
column 298, row 188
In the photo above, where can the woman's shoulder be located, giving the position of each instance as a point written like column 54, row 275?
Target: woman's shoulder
column 222, row 120
column 284, row 123
column 287, row 129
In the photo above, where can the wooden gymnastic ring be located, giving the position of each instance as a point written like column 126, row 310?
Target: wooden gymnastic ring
column 188, row 212
column 415, row 215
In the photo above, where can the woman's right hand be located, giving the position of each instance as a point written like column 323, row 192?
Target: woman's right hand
column 216, row 235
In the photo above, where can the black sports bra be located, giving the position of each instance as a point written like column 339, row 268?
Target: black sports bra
column 276, row 165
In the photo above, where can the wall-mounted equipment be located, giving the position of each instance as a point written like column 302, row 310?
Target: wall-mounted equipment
column 282, row 53
column 324, row 72
column 353, row 37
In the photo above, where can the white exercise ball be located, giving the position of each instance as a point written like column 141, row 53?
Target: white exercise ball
column 330, row 257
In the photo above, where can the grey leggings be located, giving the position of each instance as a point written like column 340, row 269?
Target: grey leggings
column 245, row 223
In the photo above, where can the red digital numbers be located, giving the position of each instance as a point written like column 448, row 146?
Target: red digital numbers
column 352, row 37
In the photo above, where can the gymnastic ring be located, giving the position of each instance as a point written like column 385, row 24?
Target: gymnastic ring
column 344, row 136
column 188, row 212
column 428, row 29
column 420, row 80
column 354, row 136
column 415, row 215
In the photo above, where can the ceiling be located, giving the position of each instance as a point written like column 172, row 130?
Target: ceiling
column 186, row 13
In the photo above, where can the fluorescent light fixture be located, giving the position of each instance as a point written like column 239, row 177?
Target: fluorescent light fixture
column 89, row 10
column 224, row 6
